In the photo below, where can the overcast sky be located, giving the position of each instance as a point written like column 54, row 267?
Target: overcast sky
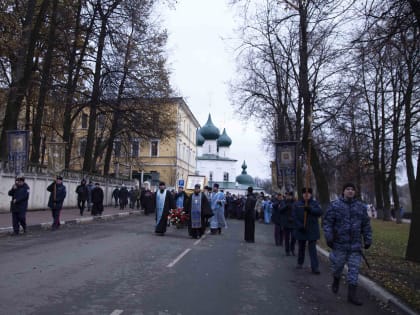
column 202, row 64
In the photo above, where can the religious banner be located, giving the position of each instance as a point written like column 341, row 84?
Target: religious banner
column 18, row 149
column 56, row 156
column 286, row 165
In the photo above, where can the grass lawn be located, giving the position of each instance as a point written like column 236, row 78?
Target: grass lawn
column 388, row 267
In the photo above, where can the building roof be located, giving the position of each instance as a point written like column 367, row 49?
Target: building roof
column 244, row 178
column 199, row 138
column 224, row 140
column 209, row 131
column 214, row 157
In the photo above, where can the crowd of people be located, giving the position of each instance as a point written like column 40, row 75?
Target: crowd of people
column 296, row 222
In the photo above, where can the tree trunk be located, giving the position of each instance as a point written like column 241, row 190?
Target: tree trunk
column 44, row 88
column 23, row 74
column 412, row 252
column 94, row 103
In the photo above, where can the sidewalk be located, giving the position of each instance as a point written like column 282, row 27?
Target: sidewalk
column 42, row 219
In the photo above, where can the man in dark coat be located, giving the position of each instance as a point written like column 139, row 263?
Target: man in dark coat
column 82, row 196
column 147, row 199
column 249, row 216
column 55, row 202
column 286, row 220
column 123, row 197
column 97, row 200
column 115, row 194
column 306, row 213
column 199, row 210
column 278, row 219
column 164, row 202
column 19, row 204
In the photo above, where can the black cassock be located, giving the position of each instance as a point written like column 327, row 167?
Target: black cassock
column 250, row 218
column 168, row 205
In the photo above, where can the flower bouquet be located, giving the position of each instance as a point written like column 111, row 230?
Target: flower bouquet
column 178, row 217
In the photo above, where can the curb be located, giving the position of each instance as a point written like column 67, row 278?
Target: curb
column 377, row 291
column 82, row 220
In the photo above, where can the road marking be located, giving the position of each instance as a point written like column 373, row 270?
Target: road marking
column 178, row 258
column 199, row 240
column 117, row 312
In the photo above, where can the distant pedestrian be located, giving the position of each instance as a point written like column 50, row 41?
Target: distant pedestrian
column 278, row 219
column 132, row 197
column 90, row 187
column 164, row 203
column 82, row 196
column 55, row 203
column 19, row 204
column 258, row 207
column 306, row 213
column 268, row 210
column 115, row 193
column 147, row 199
column 288, row 224
column 123, row 197
column 181, row 198
column 345, row 222
column 97, row 200
column 249, row 216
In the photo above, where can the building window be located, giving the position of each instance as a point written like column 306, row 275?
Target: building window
column 82, row 147
column 84, row 121
column 154, row 148
column 211, row 176
column 100, row 121
column 117, row 148
column 226, row 176
column 135, row 148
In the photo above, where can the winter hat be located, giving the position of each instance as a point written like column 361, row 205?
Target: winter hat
column 349, row 185
column 250, row 189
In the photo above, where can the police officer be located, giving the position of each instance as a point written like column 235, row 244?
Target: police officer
column 19, row 204
column 345, row 222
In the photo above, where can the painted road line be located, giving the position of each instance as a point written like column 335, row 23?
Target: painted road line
column 117, row 312
column 178, row 258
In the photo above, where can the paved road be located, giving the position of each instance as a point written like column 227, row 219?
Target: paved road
column 120, row 267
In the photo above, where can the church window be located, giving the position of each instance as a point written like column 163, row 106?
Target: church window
column 211, row 176
column 226, row 176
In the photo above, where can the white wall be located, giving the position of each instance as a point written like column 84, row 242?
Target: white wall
column 38, row 196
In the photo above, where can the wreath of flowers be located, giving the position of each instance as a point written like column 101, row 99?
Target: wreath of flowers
column 177, row 216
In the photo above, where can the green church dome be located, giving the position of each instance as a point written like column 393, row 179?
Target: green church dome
column 209, row 131
column 244, row 178
column 224, row 140
column 199, row 138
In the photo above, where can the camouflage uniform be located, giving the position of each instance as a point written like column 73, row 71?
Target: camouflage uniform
column 345, row 221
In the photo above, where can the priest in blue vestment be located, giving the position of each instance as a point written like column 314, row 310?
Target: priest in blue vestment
column 164, row 202
column 198, row 209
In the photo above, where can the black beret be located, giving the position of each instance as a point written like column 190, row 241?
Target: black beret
column 349, row 185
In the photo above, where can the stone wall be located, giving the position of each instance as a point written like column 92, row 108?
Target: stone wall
column 38, row 196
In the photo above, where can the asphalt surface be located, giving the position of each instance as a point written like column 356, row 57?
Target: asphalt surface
column 113, row 263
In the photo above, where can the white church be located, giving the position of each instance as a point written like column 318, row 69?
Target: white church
column 213, row 161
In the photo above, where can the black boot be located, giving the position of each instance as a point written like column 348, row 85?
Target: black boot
column 335, row 285
column 351, row 297
column 213, row 231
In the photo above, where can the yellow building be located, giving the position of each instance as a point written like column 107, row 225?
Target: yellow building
column 152, row 159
